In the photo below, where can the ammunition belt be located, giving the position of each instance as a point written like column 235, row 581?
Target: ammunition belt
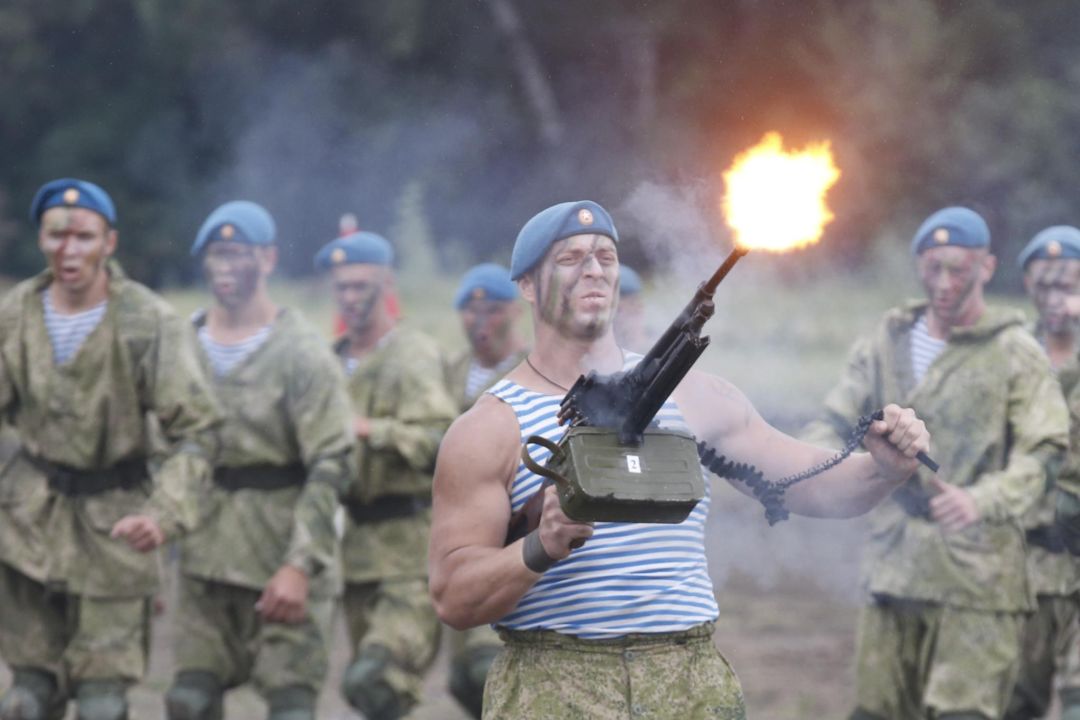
column 387, row 507
column 259, row 477
column 1048, row 537
column 912, row 501
column 77, row 482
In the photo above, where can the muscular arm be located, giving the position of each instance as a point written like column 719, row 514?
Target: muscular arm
column 722, row 417
column 473, row 578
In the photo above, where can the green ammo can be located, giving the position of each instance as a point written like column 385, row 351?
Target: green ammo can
column 598, row 479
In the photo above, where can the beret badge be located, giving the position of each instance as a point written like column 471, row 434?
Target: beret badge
column 585, row 216
column 337, row 256
column 227, row 232
column 71, row 196
column 1053, row 249
column 941, row 236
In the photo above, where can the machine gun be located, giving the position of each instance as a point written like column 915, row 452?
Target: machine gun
column 614, row 464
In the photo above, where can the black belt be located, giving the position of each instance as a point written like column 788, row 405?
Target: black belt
column 76, row 482
column 259, row 477
column 1048, row 537
column 387, row 507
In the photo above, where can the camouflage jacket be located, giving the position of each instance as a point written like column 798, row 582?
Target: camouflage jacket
column 457, row 376
column 1055, row 573
column 285, row 406
column 90, row 414
column 996, row 418
column 399, row 387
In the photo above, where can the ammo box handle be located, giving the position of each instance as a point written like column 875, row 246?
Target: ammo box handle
column 536, row 467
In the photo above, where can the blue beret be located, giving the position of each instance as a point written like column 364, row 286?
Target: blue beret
column 629, row 281
column 956, row 226
column 364, row 248
column 70, row 192
column 1053, row 243
column 557, row 222
column 487, row 281
column 237, row 221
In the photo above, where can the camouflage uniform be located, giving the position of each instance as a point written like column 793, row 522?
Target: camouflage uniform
column 943, row 633
column 666, row 675
column 399, row 387
column 75, row 601
column 473, row 650
column 1052, row 632
column 285, row 457
column 457, row 374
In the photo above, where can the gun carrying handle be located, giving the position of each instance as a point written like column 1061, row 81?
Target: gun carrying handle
column 528, row 518
column 544, row 472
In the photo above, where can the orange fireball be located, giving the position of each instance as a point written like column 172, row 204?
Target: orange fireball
column 775, row 199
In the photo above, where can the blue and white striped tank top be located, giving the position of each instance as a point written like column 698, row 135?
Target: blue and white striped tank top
column 627, row 578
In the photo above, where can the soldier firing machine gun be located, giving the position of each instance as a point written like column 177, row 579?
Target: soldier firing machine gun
column 614, row 464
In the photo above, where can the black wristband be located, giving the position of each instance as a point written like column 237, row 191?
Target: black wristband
column 534, row 554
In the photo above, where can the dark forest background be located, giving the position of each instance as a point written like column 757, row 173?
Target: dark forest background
column 456, row 120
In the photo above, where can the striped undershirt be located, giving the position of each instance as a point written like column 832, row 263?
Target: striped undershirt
column 924, row 349
column 67, row 333
column 226, row 356
column 480, row 377
column 629, row 577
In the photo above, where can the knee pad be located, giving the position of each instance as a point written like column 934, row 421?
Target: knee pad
column 366, row 688
column 468, row 673
column 102, row 700
column 33, row 695
column 295, row 702
column 195, row 695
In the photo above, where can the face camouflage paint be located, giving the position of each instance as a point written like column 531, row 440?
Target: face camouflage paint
column 578, row 286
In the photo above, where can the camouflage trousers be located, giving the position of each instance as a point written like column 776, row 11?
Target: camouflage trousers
column 1051, row 646
column 74, row 637
column 678, row 676
column 920, row 660
column 218, row 630
column 396, row 615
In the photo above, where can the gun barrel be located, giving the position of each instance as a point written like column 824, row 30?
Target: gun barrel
column 723, row 270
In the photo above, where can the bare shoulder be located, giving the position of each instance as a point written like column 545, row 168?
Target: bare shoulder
column 482, row 443
column 713, row 407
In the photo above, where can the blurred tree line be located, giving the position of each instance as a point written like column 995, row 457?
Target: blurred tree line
column 458, row 119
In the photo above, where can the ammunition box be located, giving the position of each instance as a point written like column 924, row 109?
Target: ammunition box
column 659, row 481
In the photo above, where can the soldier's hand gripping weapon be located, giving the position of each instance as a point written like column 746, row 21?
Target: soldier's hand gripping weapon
column 614, row 464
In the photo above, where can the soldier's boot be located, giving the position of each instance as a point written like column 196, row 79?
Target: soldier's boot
column 366, row 688
column 468, row 673
column 195, row 695
column 294, row 702
column 33, row 695
column 1070, row 704
column 102, row 700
